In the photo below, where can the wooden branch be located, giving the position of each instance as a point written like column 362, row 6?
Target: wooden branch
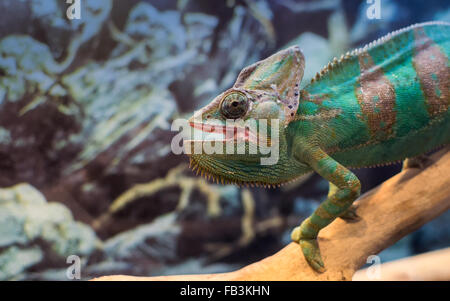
column 388, row 212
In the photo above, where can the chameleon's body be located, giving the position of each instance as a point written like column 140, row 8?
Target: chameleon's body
column 380, row 104
column 387, row 102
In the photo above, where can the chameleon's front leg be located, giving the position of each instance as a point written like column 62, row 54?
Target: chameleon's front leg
column 345, row 189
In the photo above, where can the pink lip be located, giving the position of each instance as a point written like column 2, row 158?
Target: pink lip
column 237, row 134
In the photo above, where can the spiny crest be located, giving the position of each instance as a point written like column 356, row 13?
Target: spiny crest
column 355, row 52
column 208, row 175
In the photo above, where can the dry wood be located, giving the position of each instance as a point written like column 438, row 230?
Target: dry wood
column 388, row 212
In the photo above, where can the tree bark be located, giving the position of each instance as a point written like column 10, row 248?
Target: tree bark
column 399, row 206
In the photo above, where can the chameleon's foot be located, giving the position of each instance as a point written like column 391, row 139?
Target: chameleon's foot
column 310, row 249
column 420, row 161
column 350, row 215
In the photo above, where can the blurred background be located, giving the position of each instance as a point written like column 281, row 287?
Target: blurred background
column 86, row 107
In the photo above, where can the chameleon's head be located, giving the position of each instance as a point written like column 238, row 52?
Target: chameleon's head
column 240, row 136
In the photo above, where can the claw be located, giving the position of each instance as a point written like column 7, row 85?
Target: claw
column 350, row 215
column 296, row 234
column 310, row 249
column 420, row 162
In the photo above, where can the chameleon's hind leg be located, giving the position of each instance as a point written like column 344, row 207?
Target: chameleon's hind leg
column 419, row 161
column 348, row 215
column 347, row 189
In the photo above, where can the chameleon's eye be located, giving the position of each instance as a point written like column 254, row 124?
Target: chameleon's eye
column 234, row 105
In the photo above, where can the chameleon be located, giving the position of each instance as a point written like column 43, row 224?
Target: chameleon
column 380, row 104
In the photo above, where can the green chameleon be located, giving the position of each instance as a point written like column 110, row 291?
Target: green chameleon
column 376, row 105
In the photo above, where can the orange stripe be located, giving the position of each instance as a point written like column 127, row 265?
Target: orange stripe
column 376, row 97
column 431, row 66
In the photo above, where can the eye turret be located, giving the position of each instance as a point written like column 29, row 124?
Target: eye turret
column 234, row 105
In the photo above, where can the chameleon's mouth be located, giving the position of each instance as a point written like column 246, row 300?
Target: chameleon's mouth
column 221, row 133
column 213, row 133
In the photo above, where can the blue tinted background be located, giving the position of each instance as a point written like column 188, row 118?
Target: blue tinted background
column 85, row 112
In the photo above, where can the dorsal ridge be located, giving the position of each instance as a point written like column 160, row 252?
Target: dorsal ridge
column 355, row 52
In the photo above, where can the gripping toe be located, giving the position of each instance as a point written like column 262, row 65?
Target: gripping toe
column 311, row 250
column 350, row 215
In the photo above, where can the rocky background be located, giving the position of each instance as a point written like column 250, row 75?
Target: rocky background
column 85, row 113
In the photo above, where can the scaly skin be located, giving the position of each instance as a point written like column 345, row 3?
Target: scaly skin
column 377, row 105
